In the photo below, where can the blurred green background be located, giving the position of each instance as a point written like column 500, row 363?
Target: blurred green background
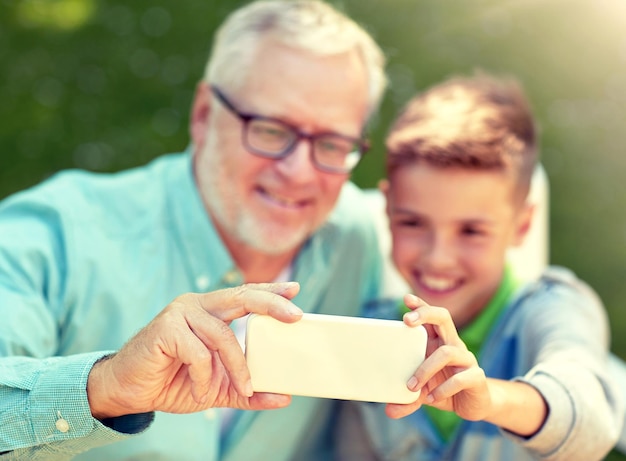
column 106, row 85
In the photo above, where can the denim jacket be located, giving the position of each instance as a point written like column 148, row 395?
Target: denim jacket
column 554, row 336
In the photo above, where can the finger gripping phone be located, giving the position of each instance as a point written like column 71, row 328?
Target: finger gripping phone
column 337, row 357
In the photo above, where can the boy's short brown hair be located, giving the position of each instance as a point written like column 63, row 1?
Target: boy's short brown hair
column 478, row 122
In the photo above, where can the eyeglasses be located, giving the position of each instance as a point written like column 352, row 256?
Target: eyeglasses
column 272, row 138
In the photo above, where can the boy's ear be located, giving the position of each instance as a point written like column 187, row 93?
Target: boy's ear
column 524, row 221
column 200, row 111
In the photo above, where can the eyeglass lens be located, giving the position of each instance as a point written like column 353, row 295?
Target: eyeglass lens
column 272, row 138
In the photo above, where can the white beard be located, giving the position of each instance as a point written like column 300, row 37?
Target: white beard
column 240, row 223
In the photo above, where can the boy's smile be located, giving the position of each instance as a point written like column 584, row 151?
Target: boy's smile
column 451, row 228
column 437, row 284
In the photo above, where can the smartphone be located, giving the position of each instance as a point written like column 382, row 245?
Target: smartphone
column 336, row 357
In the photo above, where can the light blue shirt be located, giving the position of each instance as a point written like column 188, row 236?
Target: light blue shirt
column 87, row 259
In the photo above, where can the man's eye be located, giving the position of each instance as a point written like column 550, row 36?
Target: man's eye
column 270, row 132
column 333, row 147
column 328, row 146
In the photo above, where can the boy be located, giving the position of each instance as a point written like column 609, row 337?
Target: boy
column 512, row 372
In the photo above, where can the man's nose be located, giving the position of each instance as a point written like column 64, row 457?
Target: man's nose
column 298, row 164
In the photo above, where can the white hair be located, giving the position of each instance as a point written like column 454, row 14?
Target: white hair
column 311, row 25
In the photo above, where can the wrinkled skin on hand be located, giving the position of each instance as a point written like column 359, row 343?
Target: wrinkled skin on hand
column 187, row 358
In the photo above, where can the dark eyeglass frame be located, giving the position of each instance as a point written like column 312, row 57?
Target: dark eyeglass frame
column 361, row 144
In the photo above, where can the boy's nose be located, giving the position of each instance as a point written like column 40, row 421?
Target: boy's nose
column 440, row 254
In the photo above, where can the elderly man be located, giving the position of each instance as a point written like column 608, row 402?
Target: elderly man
column 261, row 196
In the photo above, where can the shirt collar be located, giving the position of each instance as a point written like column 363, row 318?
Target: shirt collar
column 475, row 333
column 208, row 261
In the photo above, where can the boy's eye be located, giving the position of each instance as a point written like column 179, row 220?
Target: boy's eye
column 472, row 231
column 409, row 222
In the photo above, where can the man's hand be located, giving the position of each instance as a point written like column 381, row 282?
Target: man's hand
column 187, row 358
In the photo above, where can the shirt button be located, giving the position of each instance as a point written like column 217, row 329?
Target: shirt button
column 202, row 282
column 231, row 277
column 62, row 425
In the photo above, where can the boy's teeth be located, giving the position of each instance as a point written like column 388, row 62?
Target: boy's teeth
column 437, row 283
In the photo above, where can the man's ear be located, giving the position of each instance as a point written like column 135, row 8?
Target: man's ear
column 383, row 186
column 200, row 111
column 524, row 221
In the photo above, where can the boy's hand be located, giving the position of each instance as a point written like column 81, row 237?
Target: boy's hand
column 450, row 378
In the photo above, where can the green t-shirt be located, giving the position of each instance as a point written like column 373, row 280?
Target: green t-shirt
column 473, row 336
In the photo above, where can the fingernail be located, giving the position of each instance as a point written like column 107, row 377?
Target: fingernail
column 412, row 383
column 414, row 300
column 412, row 316
column 430, row 398
column 294, row 310
column 286, row 286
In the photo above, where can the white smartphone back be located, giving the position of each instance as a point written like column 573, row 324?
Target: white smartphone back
column 332, row 356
